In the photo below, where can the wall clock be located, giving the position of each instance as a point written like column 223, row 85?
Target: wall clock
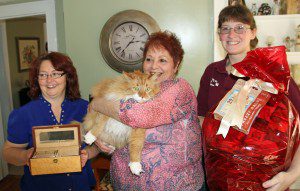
column 123, row 38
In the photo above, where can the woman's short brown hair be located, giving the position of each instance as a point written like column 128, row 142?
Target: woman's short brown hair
column 238, row 13
column 170, row 42
column 60, row 62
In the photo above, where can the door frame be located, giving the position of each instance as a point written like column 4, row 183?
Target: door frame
column 45, row 7
column 5, row 100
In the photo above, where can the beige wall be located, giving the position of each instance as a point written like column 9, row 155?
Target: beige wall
column 191, row 20
column 8, row 2
column 23, row 27
column 60, row 28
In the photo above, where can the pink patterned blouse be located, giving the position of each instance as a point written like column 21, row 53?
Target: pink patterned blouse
column 172, row 153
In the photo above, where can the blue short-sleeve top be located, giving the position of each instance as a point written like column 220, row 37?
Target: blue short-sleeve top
column 38, row 112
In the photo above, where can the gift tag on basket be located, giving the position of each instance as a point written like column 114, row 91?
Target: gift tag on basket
column 241, row 105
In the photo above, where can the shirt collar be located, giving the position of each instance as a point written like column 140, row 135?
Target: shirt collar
column 221, row 66
column 45, row 101
column 167, row 83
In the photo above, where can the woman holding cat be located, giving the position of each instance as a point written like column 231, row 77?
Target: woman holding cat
column 56, row 100
column 171, row 157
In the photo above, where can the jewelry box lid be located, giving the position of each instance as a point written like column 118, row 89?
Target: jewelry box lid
column 56, row 135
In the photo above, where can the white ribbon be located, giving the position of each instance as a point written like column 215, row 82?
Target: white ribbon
column 235, row 113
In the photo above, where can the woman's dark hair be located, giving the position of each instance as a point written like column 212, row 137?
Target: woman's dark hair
column 170, row 42
column 60, row 62
column 238, row 13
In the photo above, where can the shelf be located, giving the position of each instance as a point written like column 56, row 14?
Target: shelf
column 275, row 17
column 277, row 26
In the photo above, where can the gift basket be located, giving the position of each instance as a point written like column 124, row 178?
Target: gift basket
column 253, row 133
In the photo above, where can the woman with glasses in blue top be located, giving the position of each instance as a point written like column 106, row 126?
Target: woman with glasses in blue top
column 56, row 100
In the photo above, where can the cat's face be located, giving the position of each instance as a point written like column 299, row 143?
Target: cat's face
column 141, row 86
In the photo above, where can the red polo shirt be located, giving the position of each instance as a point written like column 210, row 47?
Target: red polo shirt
column 216, row 82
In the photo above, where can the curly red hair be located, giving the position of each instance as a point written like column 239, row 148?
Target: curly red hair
column 60, row 62
column 168, row 41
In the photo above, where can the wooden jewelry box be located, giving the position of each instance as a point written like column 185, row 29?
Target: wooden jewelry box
column 56, row 149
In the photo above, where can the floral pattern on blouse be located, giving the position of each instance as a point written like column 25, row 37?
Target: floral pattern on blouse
column 172, row 153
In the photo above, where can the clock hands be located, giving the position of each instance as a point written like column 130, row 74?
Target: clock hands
column 130, row 53
column 129, row 36
column 132, row 39
column 130, row 42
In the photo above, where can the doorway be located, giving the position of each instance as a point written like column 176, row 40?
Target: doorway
column 46, row 8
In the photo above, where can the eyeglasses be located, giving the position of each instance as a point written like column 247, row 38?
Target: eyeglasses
column 54, row 75
column 239, row 29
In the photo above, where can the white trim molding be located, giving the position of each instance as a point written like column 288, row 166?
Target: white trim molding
column 46, row 7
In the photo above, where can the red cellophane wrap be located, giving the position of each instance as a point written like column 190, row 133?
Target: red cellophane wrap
column 244, row 162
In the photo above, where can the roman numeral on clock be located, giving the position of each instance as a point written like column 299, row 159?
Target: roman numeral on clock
column 118, row 49
column 123, row 54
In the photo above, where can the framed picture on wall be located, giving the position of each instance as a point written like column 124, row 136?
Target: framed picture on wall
column 28, row 49
column 293, row 6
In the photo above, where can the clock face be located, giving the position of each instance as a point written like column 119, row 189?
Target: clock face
column 128, row 41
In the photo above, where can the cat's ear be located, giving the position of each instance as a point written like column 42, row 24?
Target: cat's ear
column 138, row 72
column 127, row 75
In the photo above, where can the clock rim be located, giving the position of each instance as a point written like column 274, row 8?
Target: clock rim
column 136, row 16
column 112, row 50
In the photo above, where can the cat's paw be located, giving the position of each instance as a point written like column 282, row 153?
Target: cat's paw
column 89, row 138
column 136, row 168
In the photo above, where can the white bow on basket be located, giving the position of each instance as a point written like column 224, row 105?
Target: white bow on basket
column 242, row 103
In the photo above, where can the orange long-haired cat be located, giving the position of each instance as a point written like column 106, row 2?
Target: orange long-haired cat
column 136, row 85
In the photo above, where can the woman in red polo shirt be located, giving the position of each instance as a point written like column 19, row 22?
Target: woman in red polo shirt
column 237, row 33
